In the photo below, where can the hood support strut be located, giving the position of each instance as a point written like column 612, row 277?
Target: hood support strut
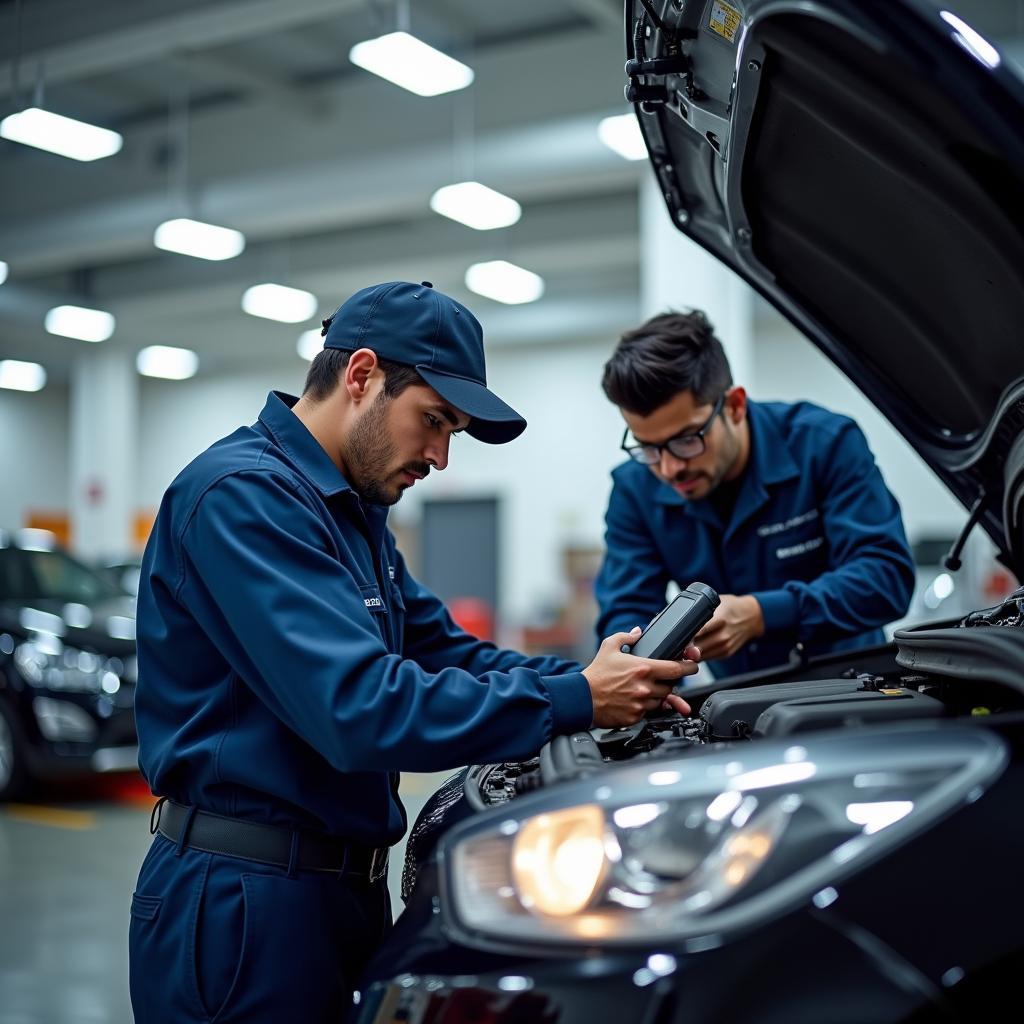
column 952, row 560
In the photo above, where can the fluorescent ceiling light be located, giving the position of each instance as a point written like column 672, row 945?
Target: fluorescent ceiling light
column 3, row 271
column 476, row 206
column 276, row 302
column 78, row 322
column 504, row 282
column 19, row 376
column 194, row 238
column 167, row 362
column 61, row 135
column 622, row 133
column 310, row 344
column 411, row 63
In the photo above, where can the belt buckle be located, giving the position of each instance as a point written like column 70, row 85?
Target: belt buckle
column 379, row 863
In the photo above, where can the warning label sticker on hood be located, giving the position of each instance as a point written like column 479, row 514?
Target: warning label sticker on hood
column 724, row 20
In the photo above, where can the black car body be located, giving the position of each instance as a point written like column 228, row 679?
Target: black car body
column 838, row 840
column 67, row 666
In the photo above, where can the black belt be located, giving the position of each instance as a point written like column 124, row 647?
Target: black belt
column 267, row 844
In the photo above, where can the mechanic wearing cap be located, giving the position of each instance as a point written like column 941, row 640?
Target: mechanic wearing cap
column 779, row 507
column 290, row 666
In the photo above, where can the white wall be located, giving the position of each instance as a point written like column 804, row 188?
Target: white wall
column 179, row 419
column 34, row 470
column 789, row 368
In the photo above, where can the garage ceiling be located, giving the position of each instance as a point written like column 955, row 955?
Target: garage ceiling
column 248, row 113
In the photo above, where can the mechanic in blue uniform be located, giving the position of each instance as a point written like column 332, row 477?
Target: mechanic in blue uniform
column 779, row 507
column 290, row 666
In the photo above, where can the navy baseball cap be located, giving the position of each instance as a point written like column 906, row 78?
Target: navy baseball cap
column 416, row 325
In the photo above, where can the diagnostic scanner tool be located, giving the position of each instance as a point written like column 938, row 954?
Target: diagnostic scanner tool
column 672, row 630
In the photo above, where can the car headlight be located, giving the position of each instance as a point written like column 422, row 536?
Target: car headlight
column 49, row 664
column 697, row 847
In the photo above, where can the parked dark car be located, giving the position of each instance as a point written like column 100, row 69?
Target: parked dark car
column 837, row 840
column 67, row 666
column 124, row 574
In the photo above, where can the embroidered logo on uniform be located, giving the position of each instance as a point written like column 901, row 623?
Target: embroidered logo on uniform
column 373, row 602
column 806, row 517
column 800, row 549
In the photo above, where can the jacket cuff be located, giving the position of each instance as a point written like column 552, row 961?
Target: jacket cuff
column 779, row 609
column 572, row 709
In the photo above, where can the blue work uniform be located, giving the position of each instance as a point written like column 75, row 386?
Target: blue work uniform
column 289, row 667
column 814, row 535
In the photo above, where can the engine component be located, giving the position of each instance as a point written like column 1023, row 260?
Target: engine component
column 889, row 704
column 732, row 714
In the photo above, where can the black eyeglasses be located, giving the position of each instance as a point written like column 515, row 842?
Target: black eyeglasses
column 687, row 445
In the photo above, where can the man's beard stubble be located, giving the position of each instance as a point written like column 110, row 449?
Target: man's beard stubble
column 368, row 454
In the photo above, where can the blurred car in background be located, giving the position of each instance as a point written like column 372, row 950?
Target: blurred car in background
column 67, row 666
column 123, row 574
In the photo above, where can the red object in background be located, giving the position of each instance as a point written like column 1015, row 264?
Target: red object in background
column 473, row 615
column 999, row 585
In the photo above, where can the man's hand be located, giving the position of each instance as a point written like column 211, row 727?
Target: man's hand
column 624, row 687
column 737, row 621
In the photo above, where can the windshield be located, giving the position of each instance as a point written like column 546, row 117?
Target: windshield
column 50, row 575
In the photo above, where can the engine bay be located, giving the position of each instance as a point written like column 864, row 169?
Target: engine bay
column 954, row 670
column 745, row 711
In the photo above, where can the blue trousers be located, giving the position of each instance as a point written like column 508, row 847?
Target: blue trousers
column 217, row 939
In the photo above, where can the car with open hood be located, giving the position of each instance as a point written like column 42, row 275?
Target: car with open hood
column 67, row 666
column 836, row 839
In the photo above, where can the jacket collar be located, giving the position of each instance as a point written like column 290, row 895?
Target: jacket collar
column 302, row 448
column 770, row 463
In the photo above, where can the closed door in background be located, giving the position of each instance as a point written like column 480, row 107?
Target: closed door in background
column 459, row 549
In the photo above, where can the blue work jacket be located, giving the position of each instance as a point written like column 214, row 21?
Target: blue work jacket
column 289, row 665
column 814, row 535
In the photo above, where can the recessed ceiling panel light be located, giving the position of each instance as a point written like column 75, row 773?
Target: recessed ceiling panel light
column 79, row 322
column 310, row 344
column 194, row 238
column 167, row 362
column 3, row 271
column 412, row 64
column 476, row 206
column 277, row 302
column 19, row 376
column 61, row 135
column 504, row 282
column 622, row 133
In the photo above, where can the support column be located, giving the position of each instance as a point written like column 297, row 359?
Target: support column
column 104, row 431
column 676, row 273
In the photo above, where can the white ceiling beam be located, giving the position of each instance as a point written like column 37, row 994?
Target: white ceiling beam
column 214, row 24
column 563, row 157
column 238, row 73
column 603, row 12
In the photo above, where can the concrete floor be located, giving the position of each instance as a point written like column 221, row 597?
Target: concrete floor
column 68, row 864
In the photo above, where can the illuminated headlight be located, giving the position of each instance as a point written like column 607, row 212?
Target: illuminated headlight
column 706, row 845
column 48, row 664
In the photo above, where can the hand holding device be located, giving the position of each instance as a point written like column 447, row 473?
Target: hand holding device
column 672, row 630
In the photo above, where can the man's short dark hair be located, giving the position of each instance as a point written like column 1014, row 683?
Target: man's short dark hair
column 327, row 367
column 670, row 353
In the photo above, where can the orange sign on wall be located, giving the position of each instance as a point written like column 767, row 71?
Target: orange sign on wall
column 58, row 523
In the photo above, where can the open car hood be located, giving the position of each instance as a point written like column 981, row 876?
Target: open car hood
column 861, row 164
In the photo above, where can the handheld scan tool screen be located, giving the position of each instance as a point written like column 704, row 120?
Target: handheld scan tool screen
column 671, row 631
